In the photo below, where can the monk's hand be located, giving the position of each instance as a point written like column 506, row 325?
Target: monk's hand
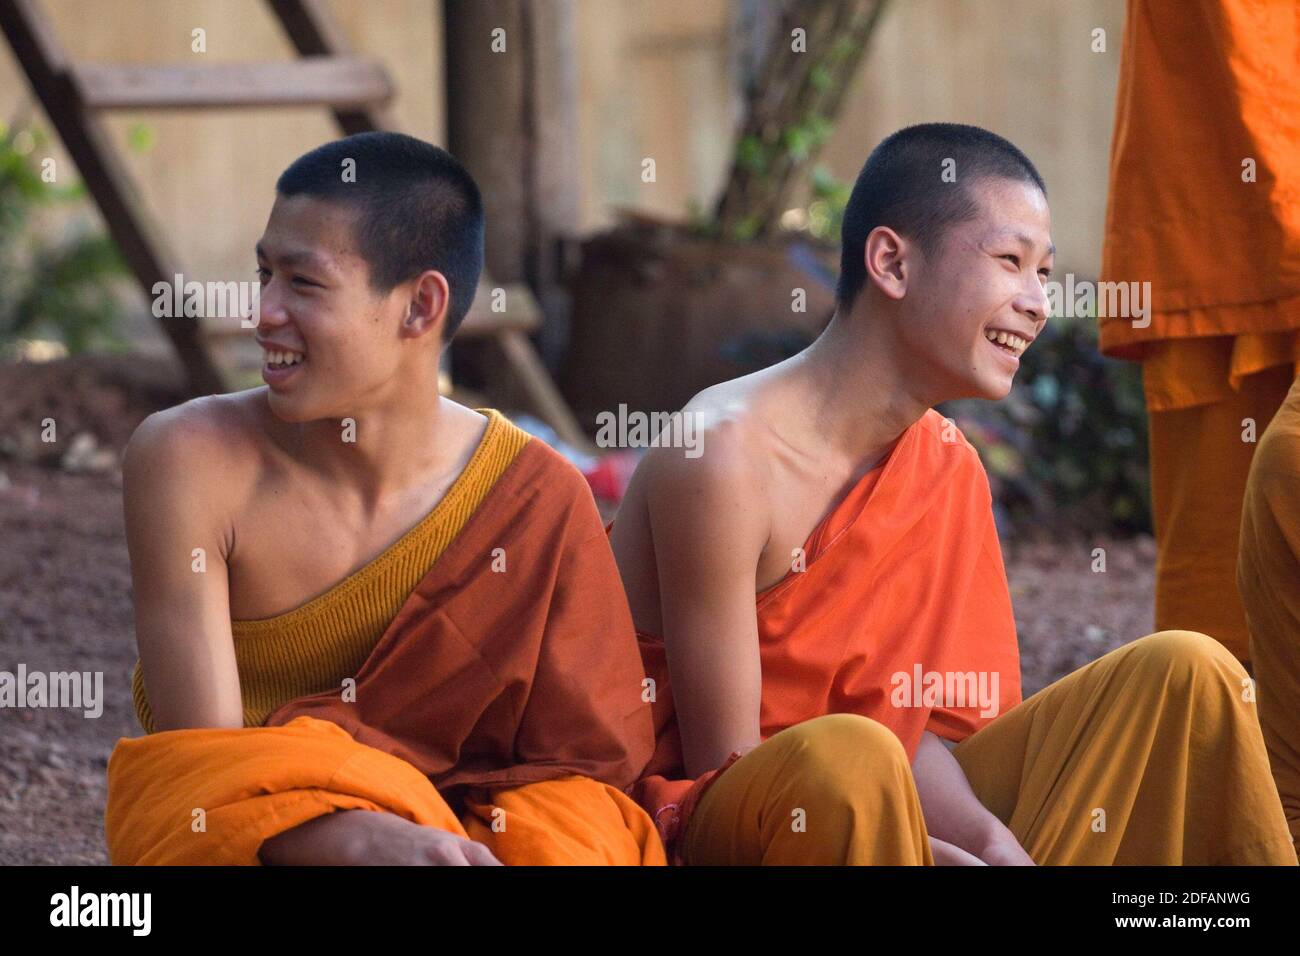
column 947, row 854
column 952, row 810
column 441, row 848
column 1003, row 849
column 384, row 839
column 367, row 838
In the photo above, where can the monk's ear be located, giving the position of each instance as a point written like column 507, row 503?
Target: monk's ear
column 426, row 308
column 886, row 256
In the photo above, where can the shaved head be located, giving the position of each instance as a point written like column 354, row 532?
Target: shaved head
column 903, row 186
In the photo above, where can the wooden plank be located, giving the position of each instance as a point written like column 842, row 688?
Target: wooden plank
column 87, row 142
column 342, row 82
column 521, row 311
column 313, row 31
column 546, row 398
column 478, row 325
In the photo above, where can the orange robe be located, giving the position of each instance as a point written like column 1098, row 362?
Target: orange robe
column 507, row 690
column 1269, row 580
column 1151, row 754
column 904, row 575
column 1206, row 86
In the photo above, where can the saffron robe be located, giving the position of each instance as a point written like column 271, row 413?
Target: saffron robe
column 905, row 572
column 509, row 678
column 1204, row 86
column 1150, row 755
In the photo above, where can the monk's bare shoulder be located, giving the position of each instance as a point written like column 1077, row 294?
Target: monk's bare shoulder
column 723, row 471
column 200, row 456
column 231, row 427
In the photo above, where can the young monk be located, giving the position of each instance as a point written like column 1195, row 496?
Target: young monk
column 822, row 603
column 375, row 626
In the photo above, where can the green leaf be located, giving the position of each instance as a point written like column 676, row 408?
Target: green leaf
column 751, row 155
column 141, row 137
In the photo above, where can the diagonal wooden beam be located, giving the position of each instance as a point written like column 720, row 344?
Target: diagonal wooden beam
column 313, row 31
column 138, row 238
column 347, row 82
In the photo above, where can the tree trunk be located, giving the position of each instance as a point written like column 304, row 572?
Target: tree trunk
column 512, row 121
column 791, row 104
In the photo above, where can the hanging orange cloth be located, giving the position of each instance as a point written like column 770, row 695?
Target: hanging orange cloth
column 1204, row 198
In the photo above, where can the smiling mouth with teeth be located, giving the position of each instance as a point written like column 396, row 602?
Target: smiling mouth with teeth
column 1007, row 341
column 279, row 360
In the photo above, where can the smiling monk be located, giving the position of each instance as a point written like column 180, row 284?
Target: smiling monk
column 375, row 626
column 835, row 540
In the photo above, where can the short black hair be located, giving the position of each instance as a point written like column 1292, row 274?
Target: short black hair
column 902, row 186
column 417, row 209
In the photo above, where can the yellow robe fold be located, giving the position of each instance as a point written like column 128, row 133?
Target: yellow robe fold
column 1268, row 576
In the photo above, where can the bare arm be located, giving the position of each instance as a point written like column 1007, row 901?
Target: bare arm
column 709, row 529
column 953, row 814
column 177, row 472
column 172, row 487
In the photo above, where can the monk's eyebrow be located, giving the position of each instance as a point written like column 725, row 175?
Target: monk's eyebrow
column 1024, row 240
column 300, row 257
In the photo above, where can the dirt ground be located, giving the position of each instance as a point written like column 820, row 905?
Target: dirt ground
column 65, row 604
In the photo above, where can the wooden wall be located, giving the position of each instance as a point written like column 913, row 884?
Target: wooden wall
column 209, row 176
column 656, row 76
column 653, row 81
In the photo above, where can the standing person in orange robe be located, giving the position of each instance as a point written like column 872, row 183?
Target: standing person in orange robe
column 1205, row 205
column 375, row 626
column 823, row 608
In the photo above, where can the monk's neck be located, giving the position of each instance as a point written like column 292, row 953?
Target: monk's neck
column 387, row 447
column 856, row 391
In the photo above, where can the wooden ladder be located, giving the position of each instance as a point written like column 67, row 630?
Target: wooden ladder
column 327, row 73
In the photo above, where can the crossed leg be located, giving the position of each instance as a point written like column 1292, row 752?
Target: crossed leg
column 1151, row 754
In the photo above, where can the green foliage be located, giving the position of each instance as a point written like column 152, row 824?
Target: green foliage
column 141, row 137
column 61, row 288
column 751, row 155
column 1067, row 449
column 826, row 208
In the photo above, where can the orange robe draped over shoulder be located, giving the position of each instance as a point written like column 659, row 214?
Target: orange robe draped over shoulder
column 903, row 580
column 513, row 664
